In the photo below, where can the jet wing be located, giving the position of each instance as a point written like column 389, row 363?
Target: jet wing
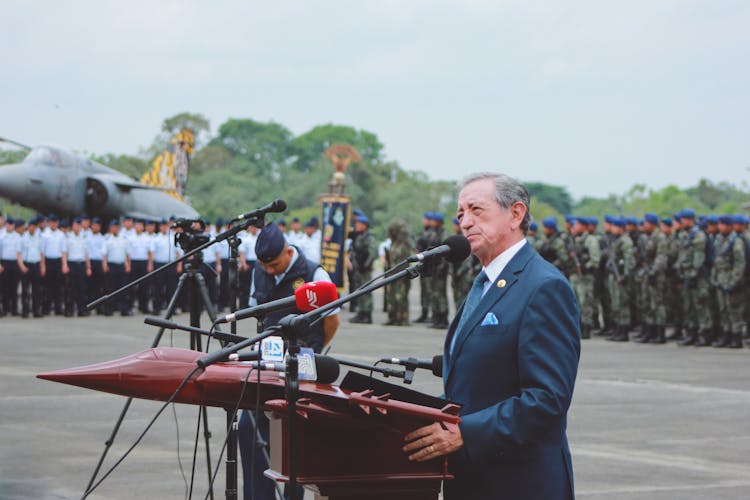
column 125, row 184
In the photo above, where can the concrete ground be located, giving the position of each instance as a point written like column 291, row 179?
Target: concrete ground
column 647, row 422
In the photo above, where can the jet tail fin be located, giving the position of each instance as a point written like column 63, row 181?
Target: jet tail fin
column 169, row 170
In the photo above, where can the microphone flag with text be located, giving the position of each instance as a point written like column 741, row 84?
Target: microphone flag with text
column 306, row 298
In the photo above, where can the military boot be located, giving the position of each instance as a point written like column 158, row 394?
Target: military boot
column 621, row 334
column 362, row 317
column 704, row 339
column 722, row 340
column 424, row 318
column 440, row 321
column 586, row 332
column 735, row 340
column 658, row 337
column 689, row 338
column 645, row 335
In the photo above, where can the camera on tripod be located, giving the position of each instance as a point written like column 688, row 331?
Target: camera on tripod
column 192, row 235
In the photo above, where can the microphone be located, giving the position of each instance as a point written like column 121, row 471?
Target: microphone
column 307, row 297
column 435, row 364
column 454, row 249
column 326, row 368
column 273, row 207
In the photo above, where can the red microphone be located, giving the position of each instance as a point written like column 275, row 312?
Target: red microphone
column 307, row 297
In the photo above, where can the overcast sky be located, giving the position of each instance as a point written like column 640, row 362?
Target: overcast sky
column 591, row 95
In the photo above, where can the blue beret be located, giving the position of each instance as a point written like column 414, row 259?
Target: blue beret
column 52, row 217
column 219, row 222
column 358, row 212
column 427, row 215
column 163, row 221
column 311, row 223
column 296, row 219
column 96, row 220
column 651, row 218
column 9, row 220
column 20, row 222
column 726, row 219
column 33, row 221
column 85, row 216
column 64, row 223
column 270, row 243
column 687, row 213
column 631, row 220
column 618, row 221
column 455, row 220
column 282, row 222
column 712, row 219
column 533, row 226
column 114, row 222
column 677, row 216
column 550, row 222
column 127, row 217
column 364, row 220
column 438, row 217
column 593, row 221
column 740, row 219
column 608, row 218
column 570, row 219
column 77, row 220
column 667, row 222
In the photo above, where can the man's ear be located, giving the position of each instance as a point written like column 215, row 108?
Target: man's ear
column 517, row 213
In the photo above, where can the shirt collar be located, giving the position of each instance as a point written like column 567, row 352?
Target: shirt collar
column 497, row 265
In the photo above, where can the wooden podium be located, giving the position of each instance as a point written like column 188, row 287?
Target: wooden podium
column 349, row 437
column 355, row 452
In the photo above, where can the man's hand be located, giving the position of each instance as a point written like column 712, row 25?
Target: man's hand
column 433, row 441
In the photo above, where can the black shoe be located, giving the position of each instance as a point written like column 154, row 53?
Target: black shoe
column 722, row 341
column 646, row 334
column 736, row 341
column 362, row 318
column 127, row 313
column 585, row 332
column 83, row 314
column 658, row 337
column 688, row 339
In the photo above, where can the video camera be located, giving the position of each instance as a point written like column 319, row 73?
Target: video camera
column 192, row 235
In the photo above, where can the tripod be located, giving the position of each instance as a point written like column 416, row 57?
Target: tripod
column 198, row 297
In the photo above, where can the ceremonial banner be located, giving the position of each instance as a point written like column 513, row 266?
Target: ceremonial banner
column 335, row 227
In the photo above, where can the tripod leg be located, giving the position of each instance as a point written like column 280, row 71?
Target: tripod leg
column 157, row 338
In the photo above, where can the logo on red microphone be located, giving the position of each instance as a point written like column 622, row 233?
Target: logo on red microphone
column 312, row 298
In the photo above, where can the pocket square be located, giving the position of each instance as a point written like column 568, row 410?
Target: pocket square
column 490, row 319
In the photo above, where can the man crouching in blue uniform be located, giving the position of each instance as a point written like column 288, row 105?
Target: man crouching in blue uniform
column 279, row 270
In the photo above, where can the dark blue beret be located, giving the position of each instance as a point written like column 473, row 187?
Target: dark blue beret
column 712, row 219
column 296, row 219
column 631, row 220
column 64, row 223
column 52, row 217
column 114, row 222
column 363, row 219
column 358, row 212
column 550, row 222
column 687, row 213
column 270, row 243
column 20, row 222
column 77, row 220
column 740, row 219
column 651, row 218
column 219, row 222
column 282, row 222
column 618, row 221
column 726, row 219
column 667, row 222
column 532, row 227
column 96, row 220
column 438, row 216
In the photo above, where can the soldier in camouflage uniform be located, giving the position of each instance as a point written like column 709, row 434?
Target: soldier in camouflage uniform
column 728, row 276
column 740, row 223
column 364, row 254
column 553, row 249
column 692, row 270
column 601, row 292
column 673, row 294
column 586, row 253
column 620, row 264
column 531, row 234
column 653, row 281
column 439, row 279
column 710, row 226
column 635, row 298
column 423, row 243
column 398, row 292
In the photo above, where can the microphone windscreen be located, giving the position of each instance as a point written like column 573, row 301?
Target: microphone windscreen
column 278, row 206
column 437, row 365
column 460, row 248
column 327, row 368
column 315, row 294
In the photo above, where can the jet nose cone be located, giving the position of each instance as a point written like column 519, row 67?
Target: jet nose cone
column 12, row 182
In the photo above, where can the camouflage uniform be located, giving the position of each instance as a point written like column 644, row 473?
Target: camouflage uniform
column 692, row 271
column 601, row 292
column 728, row 279
column 635, row 296
column 653, row 286
column 398, row 292
column 423, row 243
column 553, row 250
column 438, row 284
column 673, row 296
column 364, row 253
column 587, row 251
column 621, row 258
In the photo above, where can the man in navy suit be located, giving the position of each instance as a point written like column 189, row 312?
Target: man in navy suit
column 511, row 357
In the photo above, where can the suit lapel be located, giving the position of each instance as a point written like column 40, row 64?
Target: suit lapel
column 508, row 277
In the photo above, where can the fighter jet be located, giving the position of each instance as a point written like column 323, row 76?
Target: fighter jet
column 51, row 179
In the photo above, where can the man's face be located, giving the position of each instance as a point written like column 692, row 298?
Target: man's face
column 309, row 230
column 96, row 227
column 280, row 264
column 578, row 228
column 296, row 226
column 725, row 229
column 360, row 227
column 114, row 229
column 20, row 229
column 488, row 227
column 76, row 227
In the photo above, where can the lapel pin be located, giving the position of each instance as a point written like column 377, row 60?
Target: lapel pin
column 501, row 284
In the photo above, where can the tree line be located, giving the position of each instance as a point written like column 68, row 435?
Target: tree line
column 248, row 163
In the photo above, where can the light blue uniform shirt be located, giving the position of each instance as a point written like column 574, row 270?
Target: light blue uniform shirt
column 10, row 246
column 76, row 247
column 140, row 244
column 31, row 245
column 94, row 244
column 54, row 244
column 115, row 248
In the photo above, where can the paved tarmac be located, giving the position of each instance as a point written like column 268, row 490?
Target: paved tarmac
column 647, row 422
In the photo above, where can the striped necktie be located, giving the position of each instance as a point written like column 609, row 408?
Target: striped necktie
column 472, row 301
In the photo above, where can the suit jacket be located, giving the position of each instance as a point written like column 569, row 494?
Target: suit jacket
column 514, row 374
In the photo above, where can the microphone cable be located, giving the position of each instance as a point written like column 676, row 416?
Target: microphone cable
column 143, row 434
